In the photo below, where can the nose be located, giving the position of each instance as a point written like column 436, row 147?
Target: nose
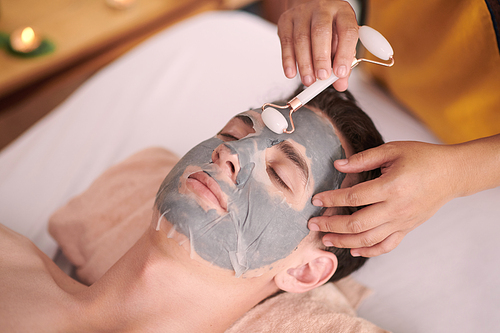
column 227, row 159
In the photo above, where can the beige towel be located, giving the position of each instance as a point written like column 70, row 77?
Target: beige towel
column 97, row 227
column 324, row 309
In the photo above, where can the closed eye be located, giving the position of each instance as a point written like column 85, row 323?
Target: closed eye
column 274, row 176
column 292, row 154
column 286, row 168
column 227, row 137
column 237, row 128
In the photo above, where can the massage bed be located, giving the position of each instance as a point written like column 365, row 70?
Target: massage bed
column 180, row 87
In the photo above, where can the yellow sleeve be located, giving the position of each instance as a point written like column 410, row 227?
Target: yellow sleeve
column 447, row 63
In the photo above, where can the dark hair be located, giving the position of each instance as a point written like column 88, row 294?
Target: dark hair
column 361, row 134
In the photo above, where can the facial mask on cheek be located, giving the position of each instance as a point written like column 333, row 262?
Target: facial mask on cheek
column 259, row 227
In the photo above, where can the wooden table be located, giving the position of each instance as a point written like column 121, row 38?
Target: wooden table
column 80, row 29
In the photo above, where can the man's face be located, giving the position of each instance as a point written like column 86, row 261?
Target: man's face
column 243, row 197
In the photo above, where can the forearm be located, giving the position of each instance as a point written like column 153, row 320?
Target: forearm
column 477, row 165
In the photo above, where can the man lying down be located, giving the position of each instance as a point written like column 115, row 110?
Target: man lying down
column 228, row 230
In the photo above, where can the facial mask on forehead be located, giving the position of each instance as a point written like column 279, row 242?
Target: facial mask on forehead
column 260, row 226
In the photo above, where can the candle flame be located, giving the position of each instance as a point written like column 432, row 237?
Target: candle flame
column 27, row 35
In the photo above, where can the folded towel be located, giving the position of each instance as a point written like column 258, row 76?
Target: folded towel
column 324, row 309
column 98, row 226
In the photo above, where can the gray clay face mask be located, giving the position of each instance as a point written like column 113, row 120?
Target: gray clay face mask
column 243, row 198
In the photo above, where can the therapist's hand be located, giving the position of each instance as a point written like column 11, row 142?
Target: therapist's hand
column 312, row 33
column 417, row 179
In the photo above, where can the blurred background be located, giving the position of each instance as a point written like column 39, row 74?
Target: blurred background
column 49, row 48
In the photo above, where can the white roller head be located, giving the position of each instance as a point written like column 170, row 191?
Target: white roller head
column 375, row 43
column 274, row 120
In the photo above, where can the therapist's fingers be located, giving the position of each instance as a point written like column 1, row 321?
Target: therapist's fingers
column 321, row 41
column 302, row 49
column 334, row 33
column 285, row 34
column 346, row 28
column 366, row 193
column 362, row 240
column 386, row 246
column 313, row 32
column 370, row 243
column 369, row 159
column 362, row 194
column 341, row 84
column 363, row 220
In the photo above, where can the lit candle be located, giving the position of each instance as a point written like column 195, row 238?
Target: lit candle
column 25, row 40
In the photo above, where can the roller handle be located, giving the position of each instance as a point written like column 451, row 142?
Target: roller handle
column 314, row 89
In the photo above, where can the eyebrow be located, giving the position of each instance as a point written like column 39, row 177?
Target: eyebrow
column 293, row 155
column 246, row 120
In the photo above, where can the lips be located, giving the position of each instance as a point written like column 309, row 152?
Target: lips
column 206, row 187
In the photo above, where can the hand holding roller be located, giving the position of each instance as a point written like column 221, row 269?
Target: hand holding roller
column 371, row 39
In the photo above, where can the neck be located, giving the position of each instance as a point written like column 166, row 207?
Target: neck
column 156, row 285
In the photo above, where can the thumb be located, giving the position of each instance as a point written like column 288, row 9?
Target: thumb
column 366, row 160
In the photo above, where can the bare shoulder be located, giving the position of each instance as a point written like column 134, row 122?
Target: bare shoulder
column 20, row 258
column 30, row 283
column 15, row 250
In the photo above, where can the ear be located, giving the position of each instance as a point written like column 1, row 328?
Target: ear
column 316, row 269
